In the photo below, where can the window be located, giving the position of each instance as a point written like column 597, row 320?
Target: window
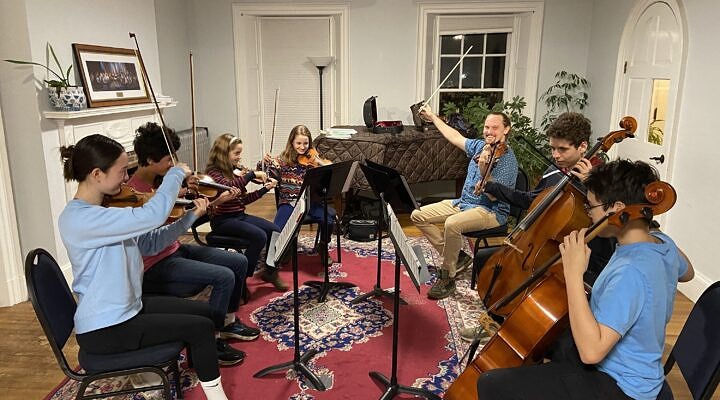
column 481, row 73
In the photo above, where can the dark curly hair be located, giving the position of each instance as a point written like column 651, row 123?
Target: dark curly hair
column 621, row 180
column 150, row 144
column 571, row 126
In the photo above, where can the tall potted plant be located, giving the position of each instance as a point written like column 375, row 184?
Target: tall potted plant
column 63, row 95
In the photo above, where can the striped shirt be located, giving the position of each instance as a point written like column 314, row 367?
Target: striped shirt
column 237, row 205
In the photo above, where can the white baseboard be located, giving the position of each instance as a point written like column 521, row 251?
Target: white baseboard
column 695, row 287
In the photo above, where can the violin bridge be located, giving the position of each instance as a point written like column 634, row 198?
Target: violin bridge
column 509, row 243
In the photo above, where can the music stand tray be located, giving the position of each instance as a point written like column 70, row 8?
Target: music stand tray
column 281, row 243
column 323, row 183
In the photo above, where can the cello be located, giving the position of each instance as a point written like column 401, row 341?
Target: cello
column 542, row 315
column 553, row 214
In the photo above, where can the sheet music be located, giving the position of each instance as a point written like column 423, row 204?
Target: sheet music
column 414, row 261
column 280, row 241
column 350, row 176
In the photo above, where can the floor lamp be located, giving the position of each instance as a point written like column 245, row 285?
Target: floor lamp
column 321, row 63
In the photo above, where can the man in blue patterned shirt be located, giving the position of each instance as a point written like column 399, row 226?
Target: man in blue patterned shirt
column 474, row 210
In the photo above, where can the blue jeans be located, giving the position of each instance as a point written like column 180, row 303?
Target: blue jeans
column 191, row 268
column 255, row 229
column 315, row 214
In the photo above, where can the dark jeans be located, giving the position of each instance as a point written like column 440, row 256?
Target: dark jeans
column 565, row 377
column 315, row 214
column 162, row 320
column 191, row 268
column 255, row 229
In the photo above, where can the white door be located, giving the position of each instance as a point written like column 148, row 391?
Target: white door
column 652, row 51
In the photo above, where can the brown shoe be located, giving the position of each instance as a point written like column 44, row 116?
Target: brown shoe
column 271, row 275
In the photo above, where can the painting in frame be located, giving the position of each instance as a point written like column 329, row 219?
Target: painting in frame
column 111, row 76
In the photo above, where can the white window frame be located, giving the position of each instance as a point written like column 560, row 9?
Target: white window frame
column 427, row 12
column 509, row 59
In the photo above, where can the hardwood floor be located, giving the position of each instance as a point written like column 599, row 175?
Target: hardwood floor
column 28, row 369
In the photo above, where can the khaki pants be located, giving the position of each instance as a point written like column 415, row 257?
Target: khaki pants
column 455, row 222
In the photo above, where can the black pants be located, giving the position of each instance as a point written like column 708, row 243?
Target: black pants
column 162, row 320
column 565, row 377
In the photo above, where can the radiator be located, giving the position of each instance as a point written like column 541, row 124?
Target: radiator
column 203, row 147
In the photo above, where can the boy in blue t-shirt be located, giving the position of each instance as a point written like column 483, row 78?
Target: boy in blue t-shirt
column 620, row 332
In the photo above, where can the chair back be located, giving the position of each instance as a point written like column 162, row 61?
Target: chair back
column 52, row 300
column 697, row 349
column 205, row 218
column 521, row 183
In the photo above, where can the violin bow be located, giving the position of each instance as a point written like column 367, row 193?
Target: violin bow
column 272, row 134
column 192, row 113
column 446, row 78
column 163, row 127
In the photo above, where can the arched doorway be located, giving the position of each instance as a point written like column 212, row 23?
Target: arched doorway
column 652, row 56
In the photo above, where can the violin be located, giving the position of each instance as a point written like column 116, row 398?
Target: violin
column 553, row 214
column 542, row 315
column 495, row 151
column 310, row 158
column 129, row 197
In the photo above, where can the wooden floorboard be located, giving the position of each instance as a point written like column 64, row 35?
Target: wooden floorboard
column 28, row 369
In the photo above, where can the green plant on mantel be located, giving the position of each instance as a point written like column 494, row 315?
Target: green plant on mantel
column 61, row 80
column 477, row 110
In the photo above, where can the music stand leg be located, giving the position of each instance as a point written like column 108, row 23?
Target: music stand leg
column 392, row 387
column 325, row 286
column 377, row 290
column 299, row 362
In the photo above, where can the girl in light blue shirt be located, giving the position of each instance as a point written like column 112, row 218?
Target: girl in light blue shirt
column 105, row 247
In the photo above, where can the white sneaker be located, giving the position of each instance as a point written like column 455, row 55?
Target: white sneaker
column 145, row 379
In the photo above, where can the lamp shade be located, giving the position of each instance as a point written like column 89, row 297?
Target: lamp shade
column 321, row 61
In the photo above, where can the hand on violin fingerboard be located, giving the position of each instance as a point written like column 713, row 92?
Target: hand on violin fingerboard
column 227, row 195
column 201, row 206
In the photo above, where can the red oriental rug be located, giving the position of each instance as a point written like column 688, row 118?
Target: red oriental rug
column 351, row 340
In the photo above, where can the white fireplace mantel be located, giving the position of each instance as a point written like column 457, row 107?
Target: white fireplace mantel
column 117, row 122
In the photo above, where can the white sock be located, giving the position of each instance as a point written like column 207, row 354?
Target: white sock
column 213, row 389
column 229, row 318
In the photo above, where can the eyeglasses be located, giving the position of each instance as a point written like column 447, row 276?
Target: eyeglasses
column 588, row 207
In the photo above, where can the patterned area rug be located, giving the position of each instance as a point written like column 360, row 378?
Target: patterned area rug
column 351, row 339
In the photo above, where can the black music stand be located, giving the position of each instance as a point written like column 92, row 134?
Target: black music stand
column 415, row 265
column 323, row 183
column 280, row 244
column 393, row 187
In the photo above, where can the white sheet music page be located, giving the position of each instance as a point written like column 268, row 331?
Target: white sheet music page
column 280, row 241
column 416, row 268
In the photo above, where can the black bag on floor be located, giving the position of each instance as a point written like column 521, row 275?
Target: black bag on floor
column 362, row 230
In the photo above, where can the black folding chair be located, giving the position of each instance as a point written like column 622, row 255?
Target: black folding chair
column 697, row 349
column 522, row 184
column 55, row 308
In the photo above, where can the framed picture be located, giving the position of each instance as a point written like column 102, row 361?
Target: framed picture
column 111, row 76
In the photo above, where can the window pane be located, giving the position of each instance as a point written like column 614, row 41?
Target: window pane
column 476, row 41
column 472, row 73
column 461, row 99
column 494, row 72
column 496, row 43
column 450, row 44
column 446, row 64
column 658, row 108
